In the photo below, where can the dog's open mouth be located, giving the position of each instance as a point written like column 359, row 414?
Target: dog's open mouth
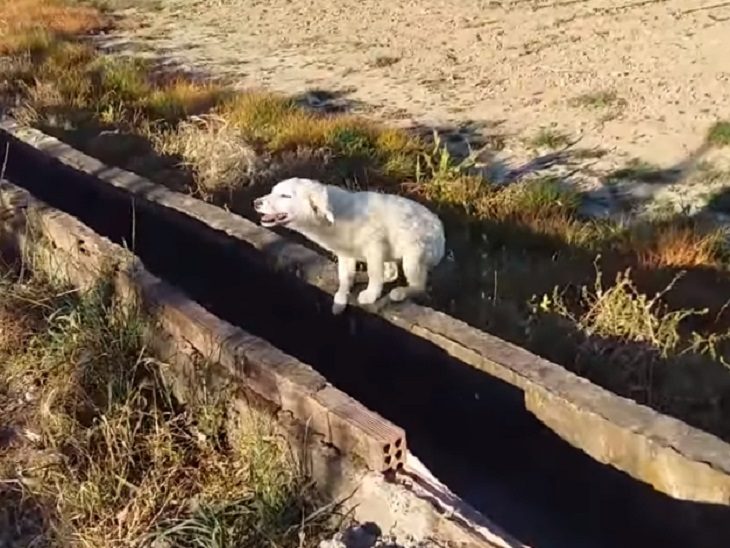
column 275, row 219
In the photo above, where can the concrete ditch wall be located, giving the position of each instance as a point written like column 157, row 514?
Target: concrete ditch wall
column 346, row 447
column 676, row 459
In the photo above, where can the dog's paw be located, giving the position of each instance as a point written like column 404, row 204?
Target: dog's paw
column 367, row 297
column 398, row 294
column 390, row 272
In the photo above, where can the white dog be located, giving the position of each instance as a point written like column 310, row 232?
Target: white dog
column 378, row 229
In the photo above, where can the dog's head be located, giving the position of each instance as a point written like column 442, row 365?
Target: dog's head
column 295, row 201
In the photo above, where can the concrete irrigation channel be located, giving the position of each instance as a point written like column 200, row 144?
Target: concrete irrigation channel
column 551, row 459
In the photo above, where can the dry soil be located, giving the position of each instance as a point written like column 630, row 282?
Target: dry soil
column 649, row 77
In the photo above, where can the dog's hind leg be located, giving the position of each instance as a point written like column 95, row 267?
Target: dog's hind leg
column 416, row 274
column 376, row 266
column 390, row 271
column 346, row 267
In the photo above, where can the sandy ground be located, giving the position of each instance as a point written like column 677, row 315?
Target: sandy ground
column 507, row 67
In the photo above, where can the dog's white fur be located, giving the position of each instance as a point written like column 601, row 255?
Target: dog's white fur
column 378, row 229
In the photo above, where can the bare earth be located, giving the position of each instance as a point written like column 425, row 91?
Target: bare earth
column 511, row 66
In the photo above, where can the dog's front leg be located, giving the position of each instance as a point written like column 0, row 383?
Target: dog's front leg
column 375, row 266
column 346, row 267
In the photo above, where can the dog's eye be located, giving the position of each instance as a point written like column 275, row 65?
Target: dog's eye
column 284, row 196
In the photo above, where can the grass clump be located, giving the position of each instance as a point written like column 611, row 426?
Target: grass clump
column 446, row 180
column 280, row 124
column 677, row 244
column 219, row 157
column 33, row 25
column 549, row 138
column 541, row 204
column 719, row 134
column 69, row 81
column 601, row 99
column 636, row 345
column 62, row 84
column 621, row 311
column 548, row 207
column 383, row 61
column 710, row 175
column 109, row 458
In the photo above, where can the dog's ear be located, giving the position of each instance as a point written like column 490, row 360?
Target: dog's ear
column 319, row 200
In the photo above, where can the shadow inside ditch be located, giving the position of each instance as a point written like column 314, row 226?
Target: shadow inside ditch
column 472, row 430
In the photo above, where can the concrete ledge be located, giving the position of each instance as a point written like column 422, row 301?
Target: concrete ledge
column 340, row 433
column 76, row 252
column 674, row 458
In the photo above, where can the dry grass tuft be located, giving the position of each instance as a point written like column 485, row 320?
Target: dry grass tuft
column 110, row 458
column 599, row 99
column 719, row 134
column 55, row 80
column 21, row 312
column 542, row 205
column 638, row 346
column 622, row 312
column 549, row 138
column 677, row 245
column 217, row 154
column 281, row 125
column 32, row 25
column 178, row 99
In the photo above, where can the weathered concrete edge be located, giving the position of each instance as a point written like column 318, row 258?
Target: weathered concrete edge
column 675, row 458
column 78, row 254
column 283, row 381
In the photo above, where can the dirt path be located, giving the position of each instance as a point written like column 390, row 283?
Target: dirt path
column 639, row 79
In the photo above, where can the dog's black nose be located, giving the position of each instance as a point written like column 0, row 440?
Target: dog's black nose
column 257, row 203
